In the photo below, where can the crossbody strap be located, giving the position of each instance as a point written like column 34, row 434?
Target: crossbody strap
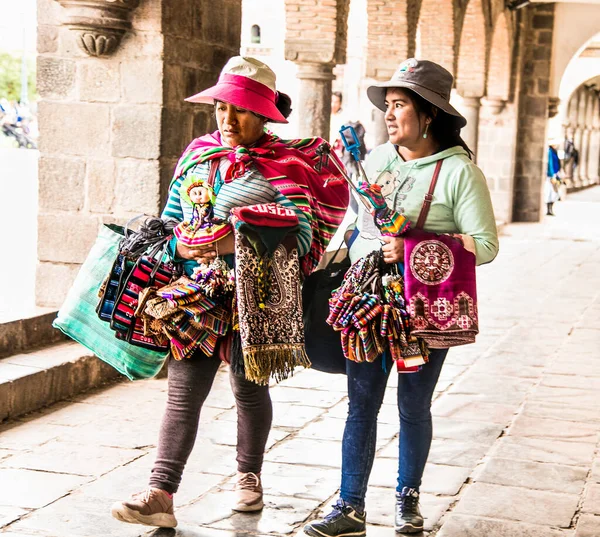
column 429, row 196
column 212, row 173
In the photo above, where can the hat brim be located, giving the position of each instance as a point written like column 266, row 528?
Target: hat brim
column 243, row 98
column 376, row 94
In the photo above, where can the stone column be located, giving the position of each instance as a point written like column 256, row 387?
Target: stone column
column 314, row 107
column 584, row 156
column 594, row 162
column 470, row 133
column 380, row 136
column 577, row 141
column 536, row 24
column 315, row 40
column 112, row 127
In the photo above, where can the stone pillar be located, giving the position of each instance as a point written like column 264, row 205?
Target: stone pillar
column 380, row 136
column 470, row 133
column 111, row 128
column 536, row 24
column 314, row 107
column 316, row 41
column 577, row 141
column 584, row 156
column 594, row 161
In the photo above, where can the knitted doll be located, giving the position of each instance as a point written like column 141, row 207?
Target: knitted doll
column 201, row 228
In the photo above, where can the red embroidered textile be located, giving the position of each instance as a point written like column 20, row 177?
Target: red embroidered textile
column 441, row 292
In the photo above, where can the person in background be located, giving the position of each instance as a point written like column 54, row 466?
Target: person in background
column 552, row 184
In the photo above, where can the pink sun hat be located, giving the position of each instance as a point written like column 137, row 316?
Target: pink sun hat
column 247, row 83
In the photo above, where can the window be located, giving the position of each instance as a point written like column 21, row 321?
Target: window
column 255, row 34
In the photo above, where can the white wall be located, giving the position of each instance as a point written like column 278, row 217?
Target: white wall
column 18, row 23
column 575, row 24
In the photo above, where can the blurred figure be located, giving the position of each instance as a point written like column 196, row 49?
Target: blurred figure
column 552, row 179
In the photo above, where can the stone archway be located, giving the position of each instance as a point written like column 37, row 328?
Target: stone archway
column 471, row 69
column 498, row 120
column 316, row 39
column 435, row 37
column 498, row 82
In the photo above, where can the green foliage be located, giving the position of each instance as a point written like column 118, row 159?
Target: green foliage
column 10, row 77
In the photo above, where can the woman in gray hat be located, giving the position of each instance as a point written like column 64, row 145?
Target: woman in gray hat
column 423, row 130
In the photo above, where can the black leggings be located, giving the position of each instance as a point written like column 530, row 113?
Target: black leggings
column 189, row 384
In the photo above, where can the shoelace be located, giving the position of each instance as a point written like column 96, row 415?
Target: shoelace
column 338, row 510
column 408, row 503
column 249, row 481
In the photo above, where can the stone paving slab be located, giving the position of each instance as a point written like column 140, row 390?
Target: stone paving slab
column 472, row 407
column 544, row 450
column 549, row 428
column 532, row 475
column 469, row 526
column 28, row 489
column 520, row 504
column 77, row 459
column 588, row 526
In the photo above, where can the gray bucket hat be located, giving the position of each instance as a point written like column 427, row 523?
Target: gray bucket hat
column 427, row 79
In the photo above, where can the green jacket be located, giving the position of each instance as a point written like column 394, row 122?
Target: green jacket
column 461, row 200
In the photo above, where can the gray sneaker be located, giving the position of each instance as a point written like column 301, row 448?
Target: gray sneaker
column 248, row 492
column 152, row 507
column 408, row 514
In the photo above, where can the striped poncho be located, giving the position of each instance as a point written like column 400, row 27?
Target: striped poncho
column 293, row 168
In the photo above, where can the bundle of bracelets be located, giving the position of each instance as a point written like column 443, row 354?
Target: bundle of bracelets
column 369, row 309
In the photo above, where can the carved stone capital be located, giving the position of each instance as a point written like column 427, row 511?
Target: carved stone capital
column 553, row 103
column 99, row 24
column 494, row 104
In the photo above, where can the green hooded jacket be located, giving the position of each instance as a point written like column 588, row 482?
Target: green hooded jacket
column 461, row 200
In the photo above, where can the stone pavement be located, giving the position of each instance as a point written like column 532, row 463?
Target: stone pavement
column 515, row 450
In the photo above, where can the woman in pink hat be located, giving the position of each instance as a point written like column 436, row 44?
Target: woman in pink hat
column 258, row 201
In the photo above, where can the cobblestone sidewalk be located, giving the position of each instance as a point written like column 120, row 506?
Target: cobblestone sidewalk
column 516, row 423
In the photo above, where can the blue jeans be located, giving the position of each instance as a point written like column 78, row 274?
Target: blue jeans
column 366, row 387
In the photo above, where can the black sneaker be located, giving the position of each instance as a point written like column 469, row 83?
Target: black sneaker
column 343, row 521
column 408, row 515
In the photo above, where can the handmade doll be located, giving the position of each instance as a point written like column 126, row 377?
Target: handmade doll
column 202, row 228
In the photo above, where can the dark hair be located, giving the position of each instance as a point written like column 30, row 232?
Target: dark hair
column 283, row 102
column 338, row 94
column 443, row 127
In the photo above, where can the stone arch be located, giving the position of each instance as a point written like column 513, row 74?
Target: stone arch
column 498, row 80
column 434, row 39
column 471, row 65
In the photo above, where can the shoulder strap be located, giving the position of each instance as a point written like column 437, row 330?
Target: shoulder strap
column 429, row 196
column 212, row 174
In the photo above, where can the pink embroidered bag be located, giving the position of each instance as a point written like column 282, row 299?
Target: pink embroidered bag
column 440, row 285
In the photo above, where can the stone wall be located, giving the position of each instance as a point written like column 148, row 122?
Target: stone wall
column 111, row 128
column 536, row 25
column 496, row 156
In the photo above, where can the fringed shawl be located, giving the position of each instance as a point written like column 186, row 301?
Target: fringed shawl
column 293, row 167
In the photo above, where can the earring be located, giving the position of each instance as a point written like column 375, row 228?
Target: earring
column 426, row 129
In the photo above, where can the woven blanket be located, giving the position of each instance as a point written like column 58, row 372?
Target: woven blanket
column 268, row 294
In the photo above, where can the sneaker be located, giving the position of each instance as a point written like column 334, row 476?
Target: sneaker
column 408, row 515
column 343, row 521
column 152, row 507
column 248, row 492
